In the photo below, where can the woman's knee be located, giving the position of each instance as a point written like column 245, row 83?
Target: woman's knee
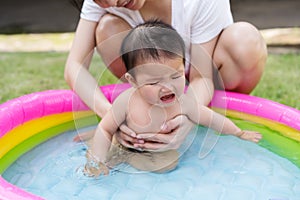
column 108, row 26
column 245, row 45
column 241, row 56
column 110, row 33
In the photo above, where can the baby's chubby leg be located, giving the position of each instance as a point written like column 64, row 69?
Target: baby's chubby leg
column 158, row 162
column 117, row 154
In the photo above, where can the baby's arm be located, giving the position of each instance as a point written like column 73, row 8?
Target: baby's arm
column 222, row 124
column 101, row 142
column 96, row 154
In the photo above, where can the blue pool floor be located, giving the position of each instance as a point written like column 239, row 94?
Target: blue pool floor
column 232, row 169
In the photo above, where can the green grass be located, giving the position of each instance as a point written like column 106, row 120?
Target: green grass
column 24, row 73
column 281, row 81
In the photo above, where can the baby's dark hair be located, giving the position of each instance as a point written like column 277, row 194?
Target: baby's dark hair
column 152, row 40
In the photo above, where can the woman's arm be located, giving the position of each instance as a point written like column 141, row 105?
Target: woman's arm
column 201, row 73
column 76, row 70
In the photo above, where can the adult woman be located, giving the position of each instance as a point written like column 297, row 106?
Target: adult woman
column 237, row 50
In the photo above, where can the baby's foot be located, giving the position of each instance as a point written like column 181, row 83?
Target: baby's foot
column 250, row 136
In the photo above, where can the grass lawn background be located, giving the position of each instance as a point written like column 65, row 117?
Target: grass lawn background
column 24, row 73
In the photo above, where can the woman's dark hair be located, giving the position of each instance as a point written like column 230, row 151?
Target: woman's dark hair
column 152, row 40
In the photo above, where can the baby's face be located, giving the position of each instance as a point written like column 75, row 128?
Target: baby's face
column 161, row 82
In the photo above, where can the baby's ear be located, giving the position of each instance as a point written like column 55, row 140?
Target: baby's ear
column 131, row 80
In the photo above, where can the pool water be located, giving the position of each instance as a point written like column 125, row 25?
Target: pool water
column 232, row 170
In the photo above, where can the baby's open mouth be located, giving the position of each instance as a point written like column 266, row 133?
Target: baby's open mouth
column 168, row 98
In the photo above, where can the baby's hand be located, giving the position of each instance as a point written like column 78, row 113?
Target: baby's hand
column 94, row 169
column 250, row 136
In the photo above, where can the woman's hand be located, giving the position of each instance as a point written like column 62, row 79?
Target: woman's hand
column 127, row 137
column 172, row 136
